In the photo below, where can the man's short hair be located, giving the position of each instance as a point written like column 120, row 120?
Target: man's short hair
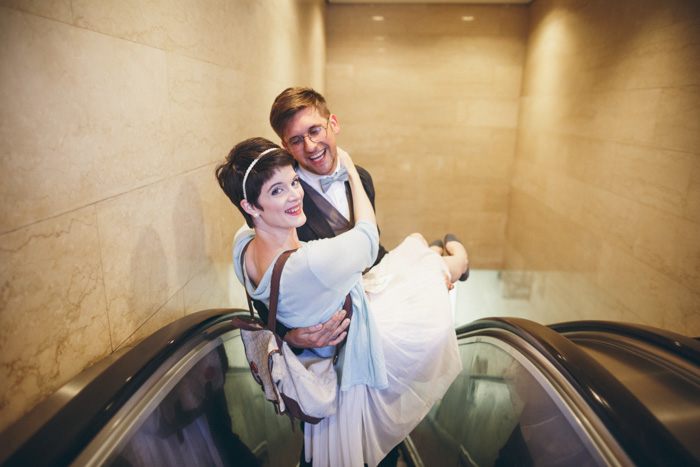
column 291, row 101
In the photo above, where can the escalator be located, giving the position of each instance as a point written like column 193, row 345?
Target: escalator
column 582, row 393
column 183, row 396
column 586, row 393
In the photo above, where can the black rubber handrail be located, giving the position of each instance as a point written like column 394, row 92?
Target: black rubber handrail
column 643, row 437
column 62, row 437
column 681, row 346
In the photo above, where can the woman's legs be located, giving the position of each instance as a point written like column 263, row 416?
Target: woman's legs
column 457, row 262
column 439, row 251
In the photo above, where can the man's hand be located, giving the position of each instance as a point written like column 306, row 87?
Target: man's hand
column 332, row 332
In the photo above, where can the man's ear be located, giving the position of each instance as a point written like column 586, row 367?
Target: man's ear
column 284, row 145
column 333, row 122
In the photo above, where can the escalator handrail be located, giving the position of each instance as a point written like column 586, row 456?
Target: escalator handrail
column 681, row 346
column 645, row 439
column 58, row 440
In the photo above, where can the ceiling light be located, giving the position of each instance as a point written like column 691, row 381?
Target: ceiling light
column 467, row 18
column 377, row 18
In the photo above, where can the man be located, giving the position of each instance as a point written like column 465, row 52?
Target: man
column 301, row 119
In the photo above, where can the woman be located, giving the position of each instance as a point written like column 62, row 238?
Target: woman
column 401, row 351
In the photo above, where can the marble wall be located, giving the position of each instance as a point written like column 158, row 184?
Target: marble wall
column 114, row 115
column 605, row 202
column 428, row 101
column 559, row 138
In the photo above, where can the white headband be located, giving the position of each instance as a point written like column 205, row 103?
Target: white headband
column 250, row 167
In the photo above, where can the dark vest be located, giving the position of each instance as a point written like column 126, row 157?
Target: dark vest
column 339, row 224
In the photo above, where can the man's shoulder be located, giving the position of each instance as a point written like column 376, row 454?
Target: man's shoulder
column 362, row 171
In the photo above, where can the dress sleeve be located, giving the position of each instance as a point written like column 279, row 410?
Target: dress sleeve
column 244, row 235
column 338, row 262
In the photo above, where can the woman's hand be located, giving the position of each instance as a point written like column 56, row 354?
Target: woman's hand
column 345, row 161
column 362, row 207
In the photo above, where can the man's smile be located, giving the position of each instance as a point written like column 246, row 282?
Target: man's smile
column 318, row 156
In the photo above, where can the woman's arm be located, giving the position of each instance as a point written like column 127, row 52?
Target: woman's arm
column 362, row 207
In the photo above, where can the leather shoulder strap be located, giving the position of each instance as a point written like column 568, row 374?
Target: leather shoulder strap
column 275, row 288
column 245, row 281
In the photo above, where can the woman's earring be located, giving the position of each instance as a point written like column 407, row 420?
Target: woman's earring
column 256, row 215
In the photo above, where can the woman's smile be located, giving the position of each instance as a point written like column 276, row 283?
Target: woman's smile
column 295, row 211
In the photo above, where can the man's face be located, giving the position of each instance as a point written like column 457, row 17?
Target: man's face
column 317, row 156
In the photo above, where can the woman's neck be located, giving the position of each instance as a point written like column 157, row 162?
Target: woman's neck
column 276, row 239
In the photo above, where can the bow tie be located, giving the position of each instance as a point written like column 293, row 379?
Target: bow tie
column 340, row 175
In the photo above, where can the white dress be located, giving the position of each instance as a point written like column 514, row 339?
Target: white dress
column 403, row 315
column 414, row 317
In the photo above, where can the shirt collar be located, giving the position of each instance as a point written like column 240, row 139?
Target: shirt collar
column 312, row 178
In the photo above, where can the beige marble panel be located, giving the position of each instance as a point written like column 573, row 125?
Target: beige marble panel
column 668, row 55
column 559, row 296
column 669, row 244
column 678, row 118
column 53, row 317
column 548, row 240
column 430, row 108
column 79, row 112
column 591, row 161
column 60, row 10
column 637, row 115
column 591, row 115
column 171, row 311
column 528, row 179
column 210, row 289
column 645, row 292
column 691, row 205
column 606, row 215
column 664, row 241
column 551, row 46
column 606, row 160
column 171, row 25
column 256, row 36
column 431, row 19
column 653, row 177
column 168, row 238
column 500, row 113
column 212, row 109
column 127, row 110
column 153, row 240
column 208, row 285
column 438, row 67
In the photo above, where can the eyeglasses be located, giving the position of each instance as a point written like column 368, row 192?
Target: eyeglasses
column 316, row 135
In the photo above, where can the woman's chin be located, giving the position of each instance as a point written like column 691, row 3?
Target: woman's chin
column 301, row 220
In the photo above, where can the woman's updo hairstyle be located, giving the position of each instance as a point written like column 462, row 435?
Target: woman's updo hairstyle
column 231, row 172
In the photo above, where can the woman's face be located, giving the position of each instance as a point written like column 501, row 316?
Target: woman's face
column 281, row 200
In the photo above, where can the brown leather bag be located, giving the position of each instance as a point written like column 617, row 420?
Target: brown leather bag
column 301, row 386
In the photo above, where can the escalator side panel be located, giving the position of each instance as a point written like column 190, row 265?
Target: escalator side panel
column 670, row 392
column 497, row 413
column 215, row 414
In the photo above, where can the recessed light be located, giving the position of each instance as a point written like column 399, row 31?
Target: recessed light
column 467, row 18
column 377, row 18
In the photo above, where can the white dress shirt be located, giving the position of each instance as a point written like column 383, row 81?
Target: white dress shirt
column 336, row 194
